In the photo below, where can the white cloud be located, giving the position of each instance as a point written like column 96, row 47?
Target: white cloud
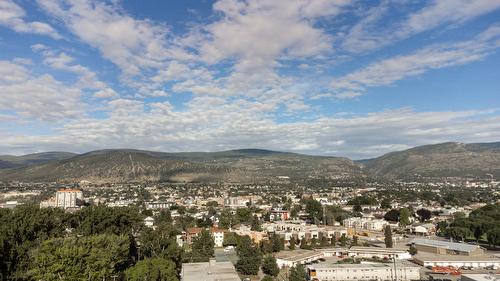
column 388, row 71
column 211, row 124
column 39, row 97
column 133, row 45
column 11, row 15
column 369, row 33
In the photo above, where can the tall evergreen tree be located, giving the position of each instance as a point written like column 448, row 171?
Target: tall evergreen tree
column 269, row 266
column 203, row 247
column 388, row 236
column 249, row 257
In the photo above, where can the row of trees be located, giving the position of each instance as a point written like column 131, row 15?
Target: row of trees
column 90, row 244
column 480, row 225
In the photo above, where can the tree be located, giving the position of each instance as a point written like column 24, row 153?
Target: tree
column 385, row 204
column 80, row 258
column 357, row 208
column 493, row 236
column 333, row 241
column 324, row 241
column 413, row 250
column 277, row 243
column 314, row 242
column 388, row 236
column 292, row 243
column 303, row 244
column 203, row 247
column 256, row 224
column 297, row 273
column 249, row 257
column 355, row 240
column 152, row 269
column 314, row 209
column 343, row 240
column 267, row 278
column 269, row 266
column 392, row 215
column 459, row 233
column 424, row 214
column 226, row 219
column 404, row 217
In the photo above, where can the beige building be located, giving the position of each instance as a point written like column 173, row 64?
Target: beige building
column 365, row 271
column 447, row 248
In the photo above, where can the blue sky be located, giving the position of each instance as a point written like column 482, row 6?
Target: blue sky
column 329, row 77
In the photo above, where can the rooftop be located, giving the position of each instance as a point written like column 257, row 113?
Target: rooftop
column 203, row 271
column 462, row 247
column 333, row 264
column 482, row 277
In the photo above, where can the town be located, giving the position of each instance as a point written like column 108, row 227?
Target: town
column 359, row 230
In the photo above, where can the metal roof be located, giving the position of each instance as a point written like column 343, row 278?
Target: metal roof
column 461, row 247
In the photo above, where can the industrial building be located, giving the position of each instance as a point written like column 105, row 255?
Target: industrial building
column 327, row 271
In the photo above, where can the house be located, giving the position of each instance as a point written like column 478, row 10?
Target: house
column 218, row 235
column 331, row 270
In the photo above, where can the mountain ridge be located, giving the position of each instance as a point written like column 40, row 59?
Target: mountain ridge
column 449, row 159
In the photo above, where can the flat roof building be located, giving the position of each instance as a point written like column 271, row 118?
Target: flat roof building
column 446, row 248
column 328, row 271
column 209, row 271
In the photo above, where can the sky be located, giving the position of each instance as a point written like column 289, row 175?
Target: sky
column 323, row 77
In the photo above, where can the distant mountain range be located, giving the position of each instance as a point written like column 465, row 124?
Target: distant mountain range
column 250, row 165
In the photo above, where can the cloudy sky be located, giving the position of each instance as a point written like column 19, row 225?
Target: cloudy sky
column 329, row 77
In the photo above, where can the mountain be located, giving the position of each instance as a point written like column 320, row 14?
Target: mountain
column 450, row 159
column 11, row 161
column 247, row 165
column 251, row 165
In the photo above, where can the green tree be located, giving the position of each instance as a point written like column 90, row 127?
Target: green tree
column 314, row 210
column 354, row 240
column 357, row 208
column 277, row 243
column 385, row 204
column 413, row 250
column 404, row 217
column 324, row 241
column 80, row 258
column 493, row 236
column 267, row 278
column 249, row 257
column 333, row 241
column 392, row 215
column 269, row 266
column 314, row 242
column 459, row 233
column 154, row 269
column 292, row 243
column 226, row 220
column 297, row 273
column 256, row 224
column 424, row 214
column 203, row 247
column 388, row 236
column 304, row 244
column 343, row 240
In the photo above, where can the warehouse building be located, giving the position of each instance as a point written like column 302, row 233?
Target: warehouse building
column 446, row 248
column 327, row 271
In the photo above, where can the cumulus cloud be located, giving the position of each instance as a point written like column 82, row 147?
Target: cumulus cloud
column 12, row 16
column 212, row 125
column 37, row 97
column 132, row 44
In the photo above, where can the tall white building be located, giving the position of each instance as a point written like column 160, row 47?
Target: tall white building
column 68, row 198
